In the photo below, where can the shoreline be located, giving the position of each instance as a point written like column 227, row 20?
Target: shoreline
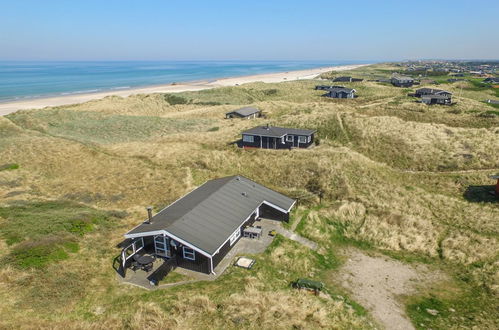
column 39, row 103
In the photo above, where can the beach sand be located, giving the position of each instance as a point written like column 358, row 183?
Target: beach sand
column 9, row 107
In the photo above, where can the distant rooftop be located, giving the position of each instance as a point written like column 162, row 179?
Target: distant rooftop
column 246, row 111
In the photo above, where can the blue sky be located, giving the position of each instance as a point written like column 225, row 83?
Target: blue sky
column 248, row 30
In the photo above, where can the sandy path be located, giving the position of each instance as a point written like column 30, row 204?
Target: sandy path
column 377, row 282
column 9, row 107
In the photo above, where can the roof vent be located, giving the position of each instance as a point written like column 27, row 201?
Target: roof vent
column 267, row 127
column 149, row 214
column 244, row 194
column 238, row 178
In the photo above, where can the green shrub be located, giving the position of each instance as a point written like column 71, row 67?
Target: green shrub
column 489, row 114
column 270, row 92
column 9, row 167
column 214, row 129
column 35, row 220
column 208, row 103
column 40, row 253
column 175, row 99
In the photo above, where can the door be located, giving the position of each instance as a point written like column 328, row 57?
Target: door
column 161, row 246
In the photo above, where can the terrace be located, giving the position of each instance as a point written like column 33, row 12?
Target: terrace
column 172, row 276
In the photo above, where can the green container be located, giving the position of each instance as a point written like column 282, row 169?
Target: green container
column 304, row 283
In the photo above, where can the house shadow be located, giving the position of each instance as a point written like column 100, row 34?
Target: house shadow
column 481, row 194
column 238, row 143
column 118, row 266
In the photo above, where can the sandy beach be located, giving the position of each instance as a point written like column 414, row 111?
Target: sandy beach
column 9, row 107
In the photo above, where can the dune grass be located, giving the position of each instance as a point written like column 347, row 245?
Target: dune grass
column 395, row 176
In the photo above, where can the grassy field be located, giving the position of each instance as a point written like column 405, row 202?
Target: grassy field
column 398, row 177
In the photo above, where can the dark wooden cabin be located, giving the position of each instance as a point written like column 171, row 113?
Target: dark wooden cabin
column 346, row 79
column 341, row 93
column 436, row 99
column 493, row 80
column 322, row 87
column 199, row 229
column 430, row 91
column 246, row 113
column 496, row 189
column 402, row 81
column 271, row 137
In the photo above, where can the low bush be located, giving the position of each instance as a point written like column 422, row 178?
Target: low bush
column 175, row 99
column 9, row 167
column 40, row 253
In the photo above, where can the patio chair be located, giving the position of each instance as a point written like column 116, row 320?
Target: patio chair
column 147, row 268
column 135, row 265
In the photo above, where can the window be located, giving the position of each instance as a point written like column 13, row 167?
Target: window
column 233, row 238
column 248, row 138
column 302, row 139
column 289, row 138
column 188, row 253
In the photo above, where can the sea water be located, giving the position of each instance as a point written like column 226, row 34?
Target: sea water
column 28, row 80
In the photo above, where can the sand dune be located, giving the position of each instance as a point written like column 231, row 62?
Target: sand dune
column 9, row 107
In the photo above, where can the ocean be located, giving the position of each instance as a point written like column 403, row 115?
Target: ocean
column 28, row 80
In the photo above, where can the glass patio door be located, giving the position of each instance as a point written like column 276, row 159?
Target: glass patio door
column 161, row 246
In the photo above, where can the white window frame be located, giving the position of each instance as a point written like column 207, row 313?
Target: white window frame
column 233, row 238
column 189, row 255
column 248, row 138
column 309, row 139
column 134, row 247
column 290, row 138
column 302, row 139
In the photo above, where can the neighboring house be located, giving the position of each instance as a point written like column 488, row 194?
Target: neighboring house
column 430, row 91
column 322, row 87
column 271, row 137
column 436, row 99
column 401, row 81
column 200, row 228
column 492, row 101
column 494, row 80
column 341, row 93
column 346, row 79
column 246, row 113
column 496, row 177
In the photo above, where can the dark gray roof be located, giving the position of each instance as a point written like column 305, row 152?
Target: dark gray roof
column 208, row 215
column 493, row 79
column 342, row 78
column 430, row 91
column 342, row 89
column 246, row 111
column 274, row 131
column 400, row 77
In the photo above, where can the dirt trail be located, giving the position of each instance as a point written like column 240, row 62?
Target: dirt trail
column 378, row 282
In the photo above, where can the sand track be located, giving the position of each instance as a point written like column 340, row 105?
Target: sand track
column 378, row 283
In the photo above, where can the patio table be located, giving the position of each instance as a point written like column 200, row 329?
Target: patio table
column 252, row 232
column 145, row 260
